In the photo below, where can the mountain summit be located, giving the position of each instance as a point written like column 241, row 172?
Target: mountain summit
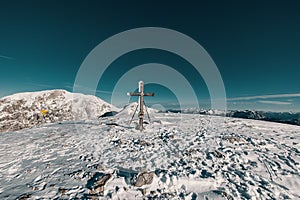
column 25, row 110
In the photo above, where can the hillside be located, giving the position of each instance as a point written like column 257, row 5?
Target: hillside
column 25, row 110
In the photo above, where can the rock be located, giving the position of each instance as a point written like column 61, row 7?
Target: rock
column 128, row 174
column 144, row 191
column 152, row 192
column 97, row 182
column 145, row 143
column 145, row 178
column 62, row 191
column 99, row 167
column 219, row 154
column 24, row 197
column 228, row 196
column 104, row 179
column 232, row 139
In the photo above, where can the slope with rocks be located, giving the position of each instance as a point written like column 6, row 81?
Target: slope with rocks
column 190, row 157
column 25, row 110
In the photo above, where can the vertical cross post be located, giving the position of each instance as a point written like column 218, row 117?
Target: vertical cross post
column 141, row 103
column 141, row 95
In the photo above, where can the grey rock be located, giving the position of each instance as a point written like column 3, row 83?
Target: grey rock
column 144, row 178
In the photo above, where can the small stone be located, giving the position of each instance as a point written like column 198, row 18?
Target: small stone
column 103, row 180
column 228, row 196
column 99, row 189
column 144, row 178
column 219, row 154
column 62, row 190
column 24, row 197
column 100, row 168
column 35, row 188
column 96, row 184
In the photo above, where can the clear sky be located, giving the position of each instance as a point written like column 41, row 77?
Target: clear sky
column 255, row 45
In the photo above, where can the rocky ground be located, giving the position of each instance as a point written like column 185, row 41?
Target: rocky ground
column 176, row 157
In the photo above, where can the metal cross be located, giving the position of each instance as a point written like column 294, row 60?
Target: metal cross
column 141, row 95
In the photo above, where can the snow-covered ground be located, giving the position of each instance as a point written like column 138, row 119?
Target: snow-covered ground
column 178, row 156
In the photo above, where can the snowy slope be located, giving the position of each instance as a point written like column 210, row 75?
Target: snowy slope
column 132, row 110
column 23, row 110
column 185, row 157
column 128, row 116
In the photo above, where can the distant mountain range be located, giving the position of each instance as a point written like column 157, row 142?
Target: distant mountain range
column 25, row 110
column 281, row 117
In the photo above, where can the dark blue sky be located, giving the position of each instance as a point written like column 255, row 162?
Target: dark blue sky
column 255, row 45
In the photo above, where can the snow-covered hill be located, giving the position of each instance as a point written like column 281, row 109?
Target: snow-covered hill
column 128, row 115
column 24, row 110
column 186, row 156
column 132, row 109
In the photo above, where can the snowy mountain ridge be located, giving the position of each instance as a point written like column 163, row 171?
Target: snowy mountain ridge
column 28, row 109
column 281, row 117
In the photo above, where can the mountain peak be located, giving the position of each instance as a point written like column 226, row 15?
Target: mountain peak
column 28, row 109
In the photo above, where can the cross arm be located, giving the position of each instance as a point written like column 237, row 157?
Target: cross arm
column 149, row 94
column 139, row 94
column 134, row 93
